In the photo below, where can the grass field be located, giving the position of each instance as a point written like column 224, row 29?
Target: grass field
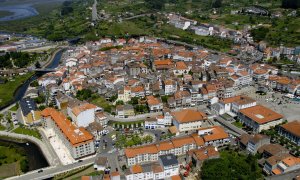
column 22, row 130
column 14, row 108
column 7, row 90
column 101, row 102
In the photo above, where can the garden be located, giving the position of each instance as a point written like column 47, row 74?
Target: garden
column 133, row 139
column 231, row 165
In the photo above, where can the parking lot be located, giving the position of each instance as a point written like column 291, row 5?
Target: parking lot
column 276, row 101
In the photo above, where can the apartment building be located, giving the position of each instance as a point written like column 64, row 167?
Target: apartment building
column 83, row 114
column 188, row 119
column 166, row 167
column 177, row 146
column 79, row 142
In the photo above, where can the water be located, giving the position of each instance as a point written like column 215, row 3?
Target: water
column 20, row 92
column 19, row 12
column 36, row 159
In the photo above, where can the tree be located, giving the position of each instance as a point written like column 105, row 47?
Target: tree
column 120, row 102
column 293, row 4
column 217, row 3
column 155, row 4
column 37, row 65
column 84, row 94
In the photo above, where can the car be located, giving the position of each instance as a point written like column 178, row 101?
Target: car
column 39, row 171
column 80, row 160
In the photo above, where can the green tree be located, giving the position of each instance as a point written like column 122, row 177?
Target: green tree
column 120, row 102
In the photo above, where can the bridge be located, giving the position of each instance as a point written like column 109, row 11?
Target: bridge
column 43, row 70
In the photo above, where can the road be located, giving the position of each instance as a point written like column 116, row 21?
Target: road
column 52, row 171
column 137, row 16
column 94, row 11
column 230, row 126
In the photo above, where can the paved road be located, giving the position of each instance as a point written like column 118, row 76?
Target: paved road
column 52, row 171
column 50, row 157
column 94, row 11
column 230, row 126
column 137, row 16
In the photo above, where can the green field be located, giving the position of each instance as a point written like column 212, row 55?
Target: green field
column 7, row 90
column 12, row 160
column 101, row 102
column 30, row 132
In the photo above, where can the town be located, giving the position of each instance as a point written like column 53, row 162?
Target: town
column 147, row 109
column 149, row 89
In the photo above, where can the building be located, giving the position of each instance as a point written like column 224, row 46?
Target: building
column 100, row 163
column 214, row 136
column 276, row 165
column 269, row 150
column 149, row 153
column 78, row 141
column 252, row 143
column 259, row 118
column 154, row 104
column 232, row 105
column 198, row 156
column 291, row 131
column 124, row 111
column 169, row 164
column 28, row 112
column 83, row 114
column 188, row 119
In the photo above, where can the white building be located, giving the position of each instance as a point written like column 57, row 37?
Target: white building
column 78, row 141
column 188, row 119
column 259, row 118
column 83, row 114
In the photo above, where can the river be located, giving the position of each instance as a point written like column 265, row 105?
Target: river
column 36, row 159
column 18, row 12
column 20, row 92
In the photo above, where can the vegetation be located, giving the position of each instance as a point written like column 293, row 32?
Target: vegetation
column 233, row 165
column 84, row 94
column 238, row 124
column 15, row 107
column 18, row 59
column 101, row 102
column 27, row 131
column 294, row 4
column 14, row 156
column 132, row 140
column 7, row 96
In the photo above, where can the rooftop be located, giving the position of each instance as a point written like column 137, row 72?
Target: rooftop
column 292, row 127
column 76, row 136
column 189, row 115
column 261, row 114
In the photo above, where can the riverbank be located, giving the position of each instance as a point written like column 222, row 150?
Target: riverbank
column 14, row 90
column 18, row 157
column 7, row 90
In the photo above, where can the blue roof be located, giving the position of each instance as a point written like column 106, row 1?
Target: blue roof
column 27, row 105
